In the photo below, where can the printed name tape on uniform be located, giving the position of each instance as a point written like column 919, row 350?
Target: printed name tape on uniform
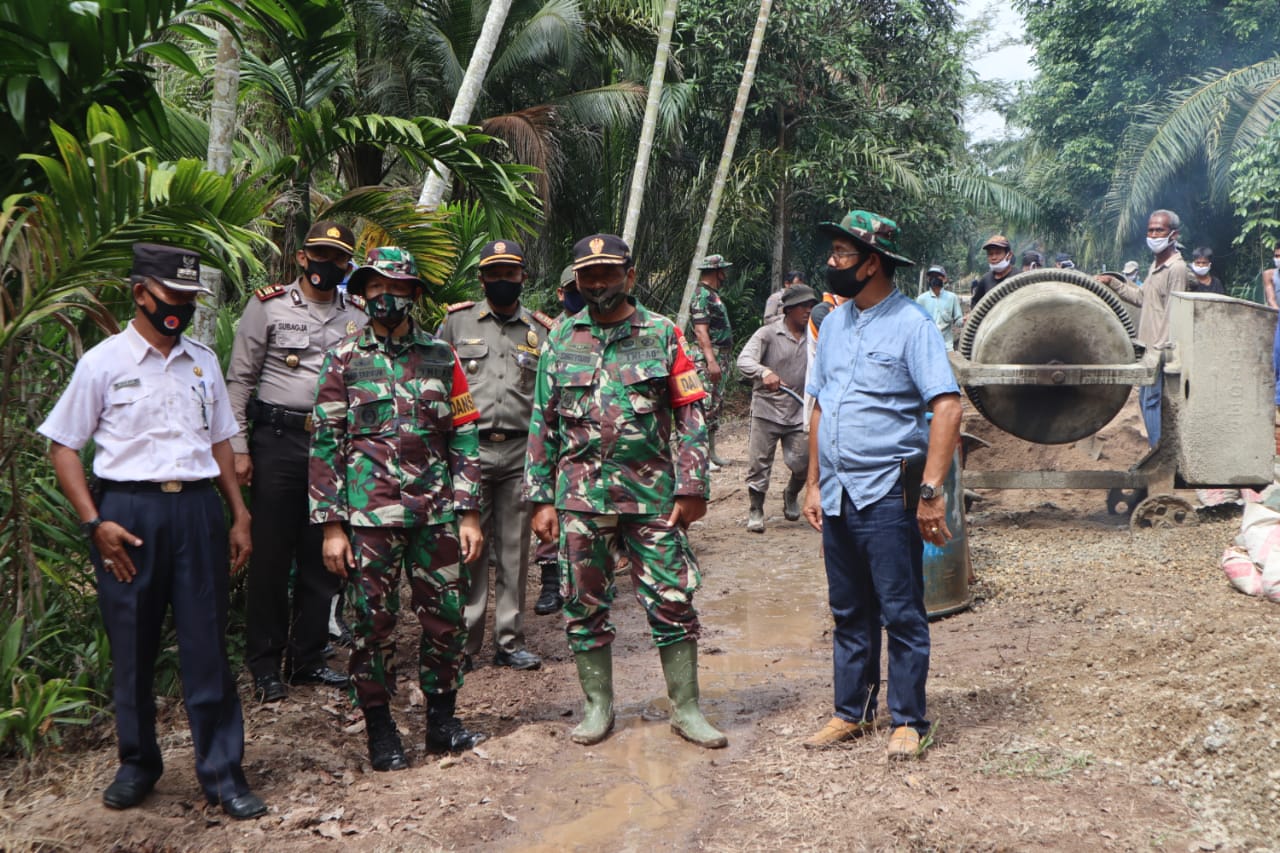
column 463, row 406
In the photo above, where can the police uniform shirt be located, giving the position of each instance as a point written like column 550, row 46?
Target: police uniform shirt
column 153, row 418
column 280, row 346
column 500, row 359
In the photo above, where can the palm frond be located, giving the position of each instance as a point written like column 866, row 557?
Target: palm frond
column 549, row 37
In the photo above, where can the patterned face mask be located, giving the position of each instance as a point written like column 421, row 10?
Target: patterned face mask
column 388, row 309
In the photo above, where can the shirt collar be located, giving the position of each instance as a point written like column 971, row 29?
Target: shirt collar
column 369, row 340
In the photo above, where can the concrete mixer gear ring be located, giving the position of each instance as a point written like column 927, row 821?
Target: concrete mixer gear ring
column 1162, row 512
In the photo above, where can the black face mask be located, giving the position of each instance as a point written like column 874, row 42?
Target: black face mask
column 503, row 293
column 573, row 301
column 167, row 319
column 325, row 275
column 846, row 282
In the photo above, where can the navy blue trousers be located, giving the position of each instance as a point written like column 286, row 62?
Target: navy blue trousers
column 1151, row 400
column 875, row 577
column 182, row 562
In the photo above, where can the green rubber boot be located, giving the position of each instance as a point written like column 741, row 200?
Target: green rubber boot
column 680, row 666
column 595, row 672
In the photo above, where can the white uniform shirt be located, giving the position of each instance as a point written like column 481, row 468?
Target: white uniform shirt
column 152, row 418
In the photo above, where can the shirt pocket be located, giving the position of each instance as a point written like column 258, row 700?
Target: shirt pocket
column 129, row 409
column 371, row 417
column 472, row 355
column 646, row 386
column 575, row 388
column 885, row 373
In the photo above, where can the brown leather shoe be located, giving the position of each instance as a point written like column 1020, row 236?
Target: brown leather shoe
column 837, row 731
column 904, row 743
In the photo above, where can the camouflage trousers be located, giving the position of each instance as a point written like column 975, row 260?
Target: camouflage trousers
column 438, row 592
column 715, row 390
column 663, row 571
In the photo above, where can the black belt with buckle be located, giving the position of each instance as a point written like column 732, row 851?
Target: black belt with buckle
column 262, row 412
column 169, row 487
column 502, row 434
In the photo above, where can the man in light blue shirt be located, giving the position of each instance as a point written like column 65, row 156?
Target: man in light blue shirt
column 881, row 365
column 942, row 306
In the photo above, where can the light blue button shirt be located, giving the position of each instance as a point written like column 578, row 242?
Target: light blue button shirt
column 874, row 374
column 945, row 311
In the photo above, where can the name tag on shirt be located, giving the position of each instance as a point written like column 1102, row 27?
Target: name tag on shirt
column 292, row 335
column 127, row 383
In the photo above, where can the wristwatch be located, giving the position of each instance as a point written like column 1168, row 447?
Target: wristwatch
column 87, row 527
column 928, row 491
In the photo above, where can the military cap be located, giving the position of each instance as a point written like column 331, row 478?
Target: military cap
column 714, row 262
column 389, row 261
column 501, row 252
column 331, row 234
column 998, row 241
column 939, row 269
column 175, row 268
column 869, row 230
column 601, row 249
column 798, row 294
column 1130, row 267
column 567, row 278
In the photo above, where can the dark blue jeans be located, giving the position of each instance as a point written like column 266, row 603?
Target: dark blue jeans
column 1151, row 399
column 875, row 576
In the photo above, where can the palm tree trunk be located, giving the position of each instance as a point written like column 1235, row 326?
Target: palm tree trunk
column 437, row 182
column 640, row 173
column 222, row 131
column 726, row 158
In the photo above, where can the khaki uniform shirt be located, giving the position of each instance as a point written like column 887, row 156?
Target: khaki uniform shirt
column 1173, row 276
column 280, row 346
column 500, row 359
column 773, row 347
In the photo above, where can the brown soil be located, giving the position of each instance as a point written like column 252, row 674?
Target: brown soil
column 1106, row 691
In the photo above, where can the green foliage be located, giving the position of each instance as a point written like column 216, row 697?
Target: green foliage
column 1255, row 181
column 58, row 58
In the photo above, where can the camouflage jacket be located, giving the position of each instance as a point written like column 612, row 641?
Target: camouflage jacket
column 603, row 409
column 395, row 442
column 707, row 307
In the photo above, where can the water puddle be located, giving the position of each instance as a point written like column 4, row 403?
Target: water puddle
column 638, row 789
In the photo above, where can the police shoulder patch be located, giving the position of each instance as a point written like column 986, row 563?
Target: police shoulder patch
column 271, row 291
column 543, row 319
column 458, row 306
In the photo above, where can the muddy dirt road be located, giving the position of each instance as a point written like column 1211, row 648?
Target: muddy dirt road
column 1105, row 692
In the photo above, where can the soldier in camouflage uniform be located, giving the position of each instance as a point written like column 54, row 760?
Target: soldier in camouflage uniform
column 607, row 476
column 395, row 480
column 498, row 341
column 712, row 341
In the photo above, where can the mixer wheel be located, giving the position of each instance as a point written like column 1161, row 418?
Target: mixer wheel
column 1162, row 512
column 1123, row 501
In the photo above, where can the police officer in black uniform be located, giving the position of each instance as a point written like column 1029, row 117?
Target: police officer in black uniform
column 275, row 362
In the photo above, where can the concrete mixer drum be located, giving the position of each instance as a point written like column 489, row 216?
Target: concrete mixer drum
column 1049, row 317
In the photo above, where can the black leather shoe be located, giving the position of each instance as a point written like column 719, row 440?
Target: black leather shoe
column 519, row 659
column 125, row 795
column 468, row 663
column 451, row 736
column 269, row 688
column 245, row 806
column 319, row 675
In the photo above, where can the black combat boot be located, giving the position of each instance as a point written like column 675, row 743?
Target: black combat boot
column 385, row 750
column 445, row 732
column 549, row 600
